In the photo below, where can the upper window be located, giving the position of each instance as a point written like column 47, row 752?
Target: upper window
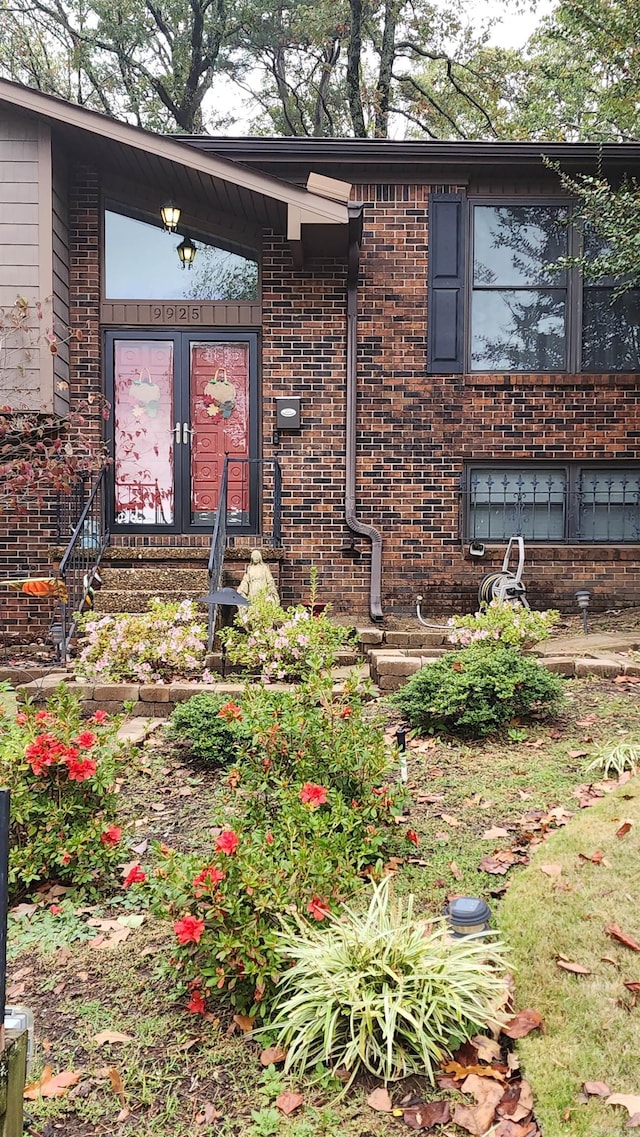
column 141, row 263
column 553, row 503
column 507, row 306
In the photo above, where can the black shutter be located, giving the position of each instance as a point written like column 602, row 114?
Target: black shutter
column 445, row 313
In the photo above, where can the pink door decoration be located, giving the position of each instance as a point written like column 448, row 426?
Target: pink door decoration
column 144, row 440
column 219, row 401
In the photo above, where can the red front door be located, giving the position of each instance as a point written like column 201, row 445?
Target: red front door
column 181, row 403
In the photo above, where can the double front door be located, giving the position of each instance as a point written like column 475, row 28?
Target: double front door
column 181, row 403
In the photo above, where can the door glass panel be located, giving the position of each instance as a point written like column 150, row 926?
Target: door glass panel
column 219, row 398
column 144, row 441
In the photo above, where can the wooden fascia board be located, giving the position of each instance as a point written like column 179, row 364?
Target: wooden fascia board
column 318, row 210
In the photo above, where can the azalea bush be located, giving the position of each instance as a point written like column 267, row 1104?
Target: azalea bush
column 511, row 625
column 166, row 642
column 307, row 812
column 283, row 643
column 384, row 991
column 61, row 771
column 477, row 690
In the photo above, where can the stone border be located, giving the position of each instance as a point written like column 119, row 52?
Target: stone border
column 391, row 669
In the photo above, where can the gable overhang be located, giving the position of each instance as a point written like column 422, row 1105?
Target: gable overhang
column 169, row 166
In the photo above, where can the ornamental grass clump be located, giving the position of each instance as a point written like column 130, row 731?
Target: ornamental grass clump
column 501, row 622
column 164, row 643
column 617, row 760
column 385, row 991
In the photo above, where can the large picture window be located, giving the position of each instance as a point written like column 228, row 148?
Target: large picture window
column 568, row 503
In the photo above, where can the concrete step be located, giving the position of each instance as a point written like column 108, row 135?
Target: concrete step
column 119, row 600
column 144, row 578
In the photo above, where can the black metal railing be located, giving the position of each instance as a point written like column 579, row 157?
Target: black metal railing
column 243, row 480
column 601, row 509
column 81, row 559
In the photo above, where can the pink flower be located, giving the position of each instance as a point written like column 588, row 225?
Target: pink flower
column 189, row 929
column 412, row 836
column 100, row 717
column 65, row 857
column 86, row 740
column 269, row 838
column 55, row 909
column 318, row 907
column 111, row 836
column 21, row 718
column 197, row 1003
column 346, row 713
column 227, row 842
column 313, row 795
column 134, row 876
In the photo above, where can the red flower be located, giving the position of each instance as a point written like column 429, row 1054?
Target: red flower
column 65, row 857
column 55, row 909
column 413, row 837
column 189, row 930
column 346, row 713
column 21, row 718
column 197, row 1003
column 80, row 768
column 318, row 907
column 134, row 876
column 86, row 740
column 231, row 712
column 227, row 842
column 100, row 716
column 44, row 716
column 313, row 795
column 111, row 836
column 269, row 838
column 209, row 876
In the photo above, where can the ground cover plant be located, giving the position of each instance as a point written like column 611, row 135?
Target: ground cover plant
column 477, row 690
column 60, row 769
column 166, row 642
column 477, row 811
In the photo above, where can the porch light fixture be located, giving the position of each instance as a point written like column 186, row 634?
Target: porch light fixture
column 170, row 215
column 468, row 915
column 582, row 599
column 186, row 250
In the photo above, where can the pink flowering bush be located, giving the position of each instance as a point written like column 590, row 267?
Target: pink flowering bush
column 510, row 625
column 306, row 815
column 166, row 642
column 61, row 771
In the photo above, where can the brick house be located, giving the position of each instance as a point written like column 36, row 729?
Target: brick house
column 452, row 388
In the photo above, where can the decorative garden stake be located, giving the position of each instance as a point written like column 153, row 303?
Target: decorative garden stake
column 468, row 915
column 401, row 743
column 582, row 599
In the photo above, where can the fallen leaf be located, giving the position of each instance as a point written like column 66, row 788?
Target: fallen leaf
column 577, row 754
column 185, row 791
column 117, row 1085
column 111, row 1036
column 551, row 870
column 288, row 1102
column 522, row 1024
column 455, row 870
column 624, row 829
column 245, row 1023
column 82, row 1089
column 379, row 1100
column 23, row 911
column 631, row 1102
column 459, row 1071
column 50, row 1085
column 209, row 1114
column 616, row 933
column 597, row 1089
column 495, row 832
column 427, row 1114
column 112, row 941
column 272, row 1055
column 478, row 1119
column 574, row 968
column 448, row 820
column 509, row 1128
column 15, row 992
column 596, row 858
column 488, row 1049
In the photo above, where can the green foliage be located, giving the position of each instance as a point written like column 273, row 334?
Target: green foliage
column 60, row 771
column 611, row 215
column 500, row 622
column 477, row 690
column 165, row 642
column 383, row 991
column 206, row 735
column 283, row 643
column 305, row 816
column 617, row 760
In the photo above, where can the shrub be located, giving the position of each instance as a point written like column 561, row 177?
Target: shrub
column 207, row 736
column 61, row 771
column 296, row 838
column 384, row 991
column 511, row 625
column 165, row 642
column 477, row 690
column 283, row 643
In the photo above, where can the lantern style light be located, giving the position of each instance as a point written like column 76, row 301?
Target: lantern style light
column 187, row 252
column 170, row 215
column 468, row 914
column 582, row 600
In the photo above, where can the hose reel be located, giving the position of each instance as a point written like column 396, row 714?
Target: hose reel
column 506, row 585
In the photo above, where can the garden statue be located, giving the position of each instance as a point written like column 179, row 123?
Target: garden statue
column 258, row 581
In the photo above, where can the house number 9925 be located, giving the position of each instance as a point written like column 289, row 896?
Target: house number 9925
column 175, row 313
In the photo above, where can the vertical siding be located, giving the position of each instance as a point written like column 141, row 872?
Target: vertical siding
column 25, row 257
column 60, row 292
